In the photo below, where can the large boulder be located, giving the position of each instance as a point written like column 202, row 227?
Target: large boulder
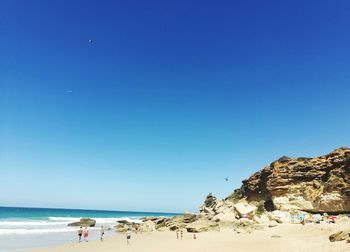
column 244, row 209
column 148, row 226
column 84, row 222
column 320, row 184
column 227, row 216
column 122, row 227
column 279, row 216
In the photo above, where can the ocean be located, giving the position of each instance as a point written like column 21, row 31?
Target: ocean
column 24, row 228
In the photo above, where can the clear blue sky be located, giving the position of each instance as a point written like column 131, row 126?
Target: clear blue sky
column 169, row 99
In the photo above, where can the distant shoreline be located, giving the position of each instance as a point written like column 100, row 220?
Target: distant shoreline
column 92, row 210
column 22, row 227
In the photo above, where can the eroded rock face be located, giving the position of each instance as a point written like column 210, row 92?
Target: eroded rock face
column 320, row 184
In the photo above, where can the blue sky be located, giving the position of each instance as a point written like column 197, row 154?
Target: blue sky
column 168, row 100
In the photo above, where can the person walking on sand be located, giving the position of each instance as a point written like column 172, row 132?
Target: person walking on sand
column 80, row 233
column 177, row 233
column 128, row 236
column 102, row 232
column 86, row 234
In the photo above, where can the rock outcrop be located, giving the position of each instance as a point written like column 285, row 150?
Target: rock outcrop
column 148, row 226
column 289, row 190
column 218, row 210
column 122, row 227
column 125, row 225
column 243, row 209
column 320, row 184
column 202, row 225
column 286, row 191
column 340, row 236
column 84, row 222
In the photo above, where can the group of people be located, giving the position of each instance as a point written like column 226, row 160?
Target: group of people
column 180, row 234
column 85, row 233
column 315, row 218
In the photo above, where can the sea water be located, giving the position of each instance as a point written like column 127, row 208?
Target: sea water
column 26, row 228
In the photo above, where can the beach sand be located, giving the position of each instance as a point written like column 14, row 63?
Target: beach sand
column 284, row 237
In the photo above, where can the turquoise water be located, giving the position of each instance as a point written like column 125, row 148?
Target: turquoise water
column 23, row 228
column 45, row 213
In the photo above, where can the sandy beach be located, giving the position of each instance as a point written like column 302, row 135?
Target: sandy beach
column 284, row 237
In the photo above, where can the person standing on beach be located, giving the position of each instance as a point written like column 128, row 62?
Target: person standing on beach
column 128, row 236
column 182, row 234
column 177, row 233
column 80, row 233
column 86, row 234
column 102, row 232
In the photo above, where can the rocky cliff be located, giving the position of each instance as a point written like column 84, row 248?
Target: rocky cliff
column 284, row 191
column 320, row 184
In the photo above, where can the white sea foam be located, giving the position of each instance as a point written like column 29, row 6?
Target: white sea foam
column 53, row 221
column 31, row 223
column 34, row 231
column 53, row 225
column 71, row 219
column 98, row 220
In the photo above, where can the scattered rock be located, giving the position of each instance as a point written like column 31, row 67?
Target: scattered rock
column 340, row 236
column 202, row 225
